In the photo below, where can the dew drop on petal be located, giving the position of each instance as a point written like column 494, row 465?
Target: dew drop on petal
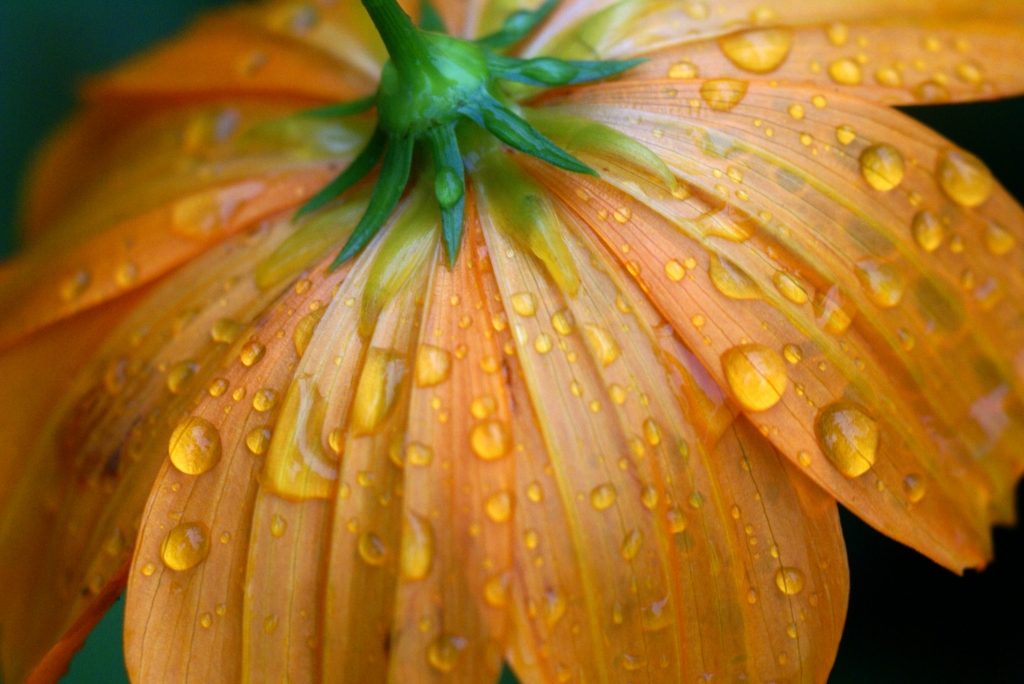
column 883, row 282
column 845, row 134
column 603, row 496
column 179, row 375
column 524, row 304
column 723, row 93
column 225, row 331
column 730, row 280
column 371, row 549
column 913, row 487
column 846, row 72
column 964, row 178
column 264, row 400
column 849, row 438
column 606, row 349
column 631, row 544
column 258, row 441
column 185, row 546
column 490, row 440
column 496, row 590
column 790, row 287
column 882, row 166
column 790, row 581
column 928, row 230
column 278, row 525
column 251, row 353
column 759, row 51
column 998, row 240
column 756, row 375
column 417, row 555
column 444, row 652
column 433, row 365
column 498, row 506
column 195, row 447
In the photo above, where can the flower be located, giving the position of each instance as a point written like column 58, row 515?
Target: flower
column 605, row 444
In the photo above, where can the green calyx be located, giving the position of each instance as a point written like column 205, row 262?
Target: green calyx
column 432, row 84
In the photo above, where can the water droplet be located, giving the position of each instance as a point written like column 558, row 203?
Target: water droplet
column 723, row 93
column 542, row 344
column 179, row 375
column 730, row 280
column 603, row 496
column 496, row 590
column 928, row 230
column 796, row 110
column 792, row 353
column 631, row 544
column 790, row 581
column 270, row 624
column 185, row 546
column 531, row 539
column 258, row 440
column 524, row 304
column 683, row 69
column 264, row 400
column 837, row 34
column 790, row 287
column 756, row 375
column 649, row 497
column 676, row 520
column 251, row 353
column 759, row 51
column 195, row 446
column 443, row 653
column 490, row 440
column 804, row 457
column 656, row 616
column 418, row 454
column 883, row 282
column 674, row 270
column 382, row 376
column 498, row 506
column 433, row 365
column 126, row 274
column 970, row 72
column 606, row 349
column 417, row 547
column 278, row 525
column 830, row 314
column 483, row 407
column 913, row 487
column 553, row 607
column 75, row 285
column 632, row 663
column 845, row 72
column 225, row 331
column 882, row 166
column 845, row 134
column 998, row 240
column 534, row 492
column 372, row 549
column 848, row 437
column 304, row 330
column 964, row 178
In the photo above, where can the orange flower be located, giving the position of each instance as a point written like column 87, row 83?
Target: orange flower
column 605, row 445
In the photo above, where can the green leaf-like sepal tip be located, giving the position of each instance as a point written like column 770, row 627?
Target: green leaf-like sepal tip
column 431, row 83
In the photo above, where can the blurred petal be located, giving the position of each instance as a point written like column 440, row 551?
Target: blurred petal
column 90, row 466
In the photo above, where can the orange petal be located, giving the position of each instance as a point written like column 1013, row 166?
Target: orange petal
column 454, row 589
column 892, row 64
column 54, row 281
column 228, row 55
column 175, row 617
column 92, row 462
column 627, row 550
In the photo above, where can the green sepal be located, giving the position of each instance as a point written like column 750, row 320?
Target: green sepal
column 449, row 186
column 548, row 71
column 430, row 19
column 355, row 172
column 343, row 109
column 394, row 174
column 517, row 26
column 514, row 132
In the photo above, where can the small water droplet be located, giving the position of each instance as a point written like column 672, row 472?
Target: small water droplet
column 498, row 506
column 790, row 581
column 251, row 353
column 185, row 546
column 278, row 525
column 883, row 282
column 371, row 549
column 264, row 400
column 417, row 555
column 258, row 440
column 225, row 331
column 524, row 304
column 631, row 544
column 444, row 652
column 913, row 487
column 723, row 93
column 603, row 496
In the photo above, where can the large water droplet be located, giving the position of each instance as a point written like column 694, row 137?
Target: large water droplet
column 195, row 446
column 606, row 349
column 524, row 304
column 964, row 178
column 730, row 280
column 372, row 549
column 849, row 438
column 884, row 282
column 603, row 496
column 433, row 365
column 490, row 440
column 723, row 93
column 756, row 375
column 258, row 440
column 417, row 547
column 379, row 383
column 443, row 653
column 882, row 166
column 185, row 546
column 790, row 581
column 759, row 51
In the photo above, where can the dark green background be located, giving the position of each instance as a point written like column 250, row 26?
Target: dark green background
column 909, row 620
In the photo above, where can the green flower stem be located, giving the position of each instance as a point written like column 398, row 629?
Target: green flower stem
column 404, row 42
